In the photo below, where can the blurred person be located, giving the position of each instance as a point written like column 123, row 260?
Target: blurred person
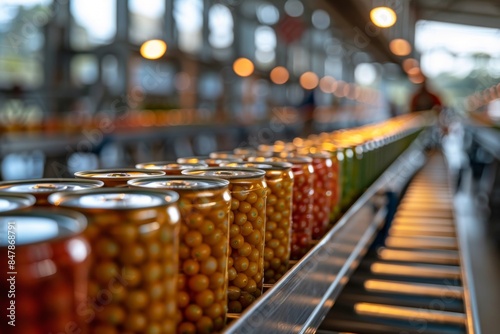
column 424, row 99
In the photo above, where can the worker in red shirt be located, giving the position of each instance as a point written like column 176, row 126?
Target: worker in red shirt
column 423, row 99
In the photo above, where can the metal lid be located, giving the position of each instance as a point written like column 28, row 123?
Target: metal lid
column 217, row 161
column 291, row 159
column 169, row 165
column 39, row 225
column 114, row 199
column 11, row 202
column 224, row 155
column 179, row 183
column 271, row 165
column 35, row 186
column 227, row 173
column 122, row 173
column 194, row 159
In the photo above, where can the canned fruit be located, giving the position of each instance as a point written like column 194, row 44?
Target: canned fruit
column 246, row 232
column 135, row 263
column 204, row 206
column 279, row 180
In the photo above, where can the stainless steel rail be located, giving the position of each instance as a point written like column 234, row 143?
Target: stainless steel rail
column 300, row 300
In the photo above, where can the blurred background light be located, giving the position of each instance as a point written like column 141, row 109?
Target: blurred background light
column 400, row 47
column 243, row 67
column 153, row 49
column 309, row 80
column 383, row 17
column 279, row 75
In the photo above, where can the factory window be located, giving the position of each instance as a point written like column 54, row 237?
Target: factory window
column 94, row 23
column 188, row 15
column 21, row 41
column 146, row 20
column 265, row 46
column 220, row 23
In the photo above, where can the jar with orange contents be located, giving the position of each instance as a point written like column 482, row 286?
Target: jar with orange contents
column 279, row 180
column 41, row 189
column 117, row 177
column 247, row 228
column 44, row 275
column 170, row 167
column 203, row 249
column 303, row 197
column 134, row 239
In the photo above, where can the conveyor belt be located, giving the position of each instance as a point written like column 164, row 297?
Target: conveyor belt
column 413, row 284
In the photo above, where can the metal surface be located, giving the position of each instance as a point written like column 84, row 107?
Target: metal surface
column 300, row 300
column 415, row 283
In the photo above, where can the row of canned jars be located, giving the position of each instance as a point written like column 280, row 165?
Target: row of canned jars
column 176, row 255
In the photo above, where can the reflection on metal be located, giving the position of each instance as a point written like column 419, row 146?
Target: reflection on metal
column 421, row 242
column 423, row 221
column 427, row 270
column 437, row 257
column 405, row 232
column 298, row 302
column 425, row 214
column 414, row 288
column 399, row 312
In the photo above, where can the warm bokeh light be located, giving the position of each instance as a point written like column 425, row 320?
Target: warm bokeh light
column 243, row 67
column 279, row 75
column 153, row 49
column 409, row 63
column 400, row 47
column 309, row 80
column 383, row 17
column 340, row 89
column 326, row 84
column 417, row 79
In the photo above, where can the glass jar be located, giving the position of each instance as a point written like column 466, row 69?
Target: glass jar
column 303, row 199
column 170, row 167
column 279, row 180
column 117, row 177
column 203, row 249
column 134, row 239
column 41, row 189
column 10, row 202
column 323, row 185
column 247, row 228
column 44, row 273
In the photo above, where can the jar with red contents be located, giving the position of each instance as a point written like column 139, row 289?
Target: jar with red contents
column 303, row 202
column 170, row 167
column 44, row 273
column 323, row 188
